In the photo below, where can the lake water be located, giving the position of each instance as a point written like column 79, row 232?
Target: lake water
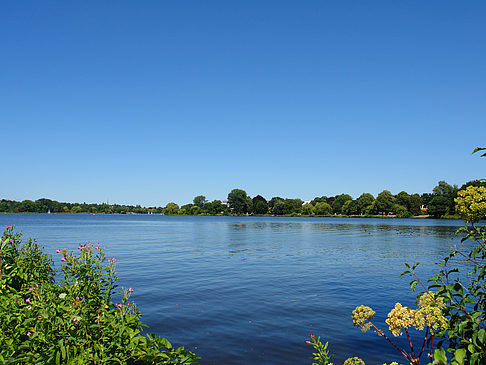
column 249, row 290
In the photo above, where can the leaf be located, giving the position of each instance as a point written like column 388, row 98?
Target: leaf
column 459, row 356
column 439, row 354
column 482, row 335
column 413, row 284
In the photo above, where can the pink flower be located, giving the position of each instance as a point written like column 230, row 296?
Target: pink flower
column 119, row 305
column 27, row 300
column 28, row 333
column 80, row 247
column 307, row 342
column 113, row 260
column 130, row 290
column 63, row 259
column 75, row 319
column 57, row 251
column 77, row 298
column 30, row 289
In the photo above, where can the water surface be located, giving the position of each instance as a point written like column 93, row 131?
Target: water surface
column 248, row 290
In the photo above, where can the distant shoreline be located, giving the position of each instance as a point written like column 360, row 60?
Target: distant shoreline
column 391, row 216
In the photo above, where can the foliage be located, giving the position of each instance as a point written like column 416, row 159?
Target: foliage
column 321, row 354
column 200, row 200
column 75, row 320
column 338, row 203
column 428, row 316
column 439, row 206
column 385, row 202
column 237, row 201
column 171, row 208
column 322, row 208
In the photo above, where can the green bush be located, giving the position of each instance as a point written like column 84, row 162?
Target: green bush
column 74, row 320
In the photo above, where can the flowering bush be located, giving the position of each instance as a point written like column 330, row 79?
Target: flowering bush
column 74, row 320
column 457, row 309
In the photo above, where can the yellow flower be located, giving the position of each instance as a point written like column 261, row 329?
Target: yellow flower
column 354, row 361
column 471, row 203
column 398, row 318
column 361, row 317
column 430, row 313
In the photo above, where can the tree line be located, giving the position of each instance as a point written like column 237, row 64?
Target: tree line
column 438, row 203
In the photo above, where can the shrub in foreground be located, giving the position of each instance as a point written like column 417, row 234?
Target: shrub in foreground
column 76, row 319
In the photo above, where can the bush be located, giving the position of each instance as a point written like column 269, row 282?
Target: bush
column 75, row 320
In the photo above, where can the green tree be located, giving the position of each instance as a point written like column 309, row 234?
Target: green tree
column 200, row 200
column 323, row 208
column 365, row 200
column 443, row 189
column 350, row 207
column 237, row 201
column 415, row 204
column 447, row 191
column 385, row 202
column 260, row 207
column 339, row 202
column 308, row 209
column 439, row 206
column 171, row 209
column 403, row 198
column 249, row 205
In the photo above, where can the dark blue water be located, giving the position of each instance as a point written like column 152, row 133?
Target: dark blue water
column 248, row 290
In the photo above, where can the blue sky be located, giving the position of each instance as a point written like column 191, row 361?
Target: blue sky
column 151, row 102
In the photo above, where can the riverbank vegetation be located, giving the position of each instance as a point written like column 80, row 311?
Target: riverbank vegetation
column 439, row 203
column 83, row 318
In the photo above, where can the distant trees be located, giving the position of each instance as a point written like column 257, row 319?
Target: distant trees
column 384, row 202
column 323, row 208
column 339, row 201
column 260, row 205
column 200, row 200
column 237, row 201
column 439, row 202
column 365, row 203
column 171, row 209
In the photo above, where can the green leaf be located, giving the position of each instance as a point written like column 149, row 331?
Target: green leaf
column 413, row 284
column 482, row 335
column 439, row 354
column 459, row 356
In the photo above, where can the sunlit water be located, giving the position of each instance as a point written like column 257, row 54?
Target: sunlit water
column 249, row 290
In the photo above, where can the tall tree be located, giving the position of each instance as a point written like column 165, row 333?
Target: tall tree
column 171, row 209
column 339, row 202
column 200, row 200
column 237, row 201
column 384, row 202
column 365, row 200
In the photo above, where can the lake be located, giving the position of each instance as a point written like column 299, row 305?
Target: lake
column 249, row 290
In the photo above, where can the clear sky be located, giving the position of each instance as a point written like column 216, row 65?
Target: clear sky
column 158, row 101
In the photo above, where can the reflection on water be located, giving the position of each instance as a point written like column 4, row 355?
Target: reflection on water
column 248, row 290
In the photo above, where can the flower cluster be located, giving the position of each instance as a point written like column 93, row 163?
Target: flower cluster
column 430, row 313
column 361, row 317
column 471, row 203
column 398, row 318
column 354, row 361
